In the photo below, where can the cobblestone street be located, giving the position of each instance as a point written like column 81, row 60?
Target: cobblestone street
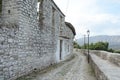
column 75, row 69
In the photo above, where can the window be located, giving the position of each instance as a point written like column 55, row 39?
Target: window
column 38, row 9
column 8, row 11
column 53, row 16
column 61, row 25
column 0, row 6
column 60, row 22
column 53, row 20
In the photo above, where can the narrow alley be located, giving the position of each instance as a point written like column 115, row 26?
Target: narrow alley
column 75, row 69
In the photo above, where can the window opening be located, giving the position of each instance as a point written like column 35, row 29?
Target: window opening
column 0, row 7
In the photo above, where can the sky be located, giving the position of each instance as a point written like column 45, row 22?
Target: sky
column 101, row 17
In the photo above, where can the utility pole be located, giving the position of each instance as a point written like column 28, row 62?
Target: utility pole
column 88, row 32
column 84, row 44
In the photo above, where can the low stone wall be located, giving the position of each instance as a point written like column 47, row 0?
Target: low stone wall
column 105, row 65
column 98, row 72
column 112, row 57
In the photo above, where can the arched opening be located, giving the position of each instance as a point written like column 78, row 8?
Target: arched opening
column 38, row 9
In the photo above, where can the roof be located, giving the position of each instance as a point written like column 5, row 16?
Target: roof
column 71, row 27
column 57, row 8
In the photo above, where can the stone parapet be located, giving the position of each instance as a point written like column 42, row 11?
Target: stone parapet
column 112, row 57
column 105, row 65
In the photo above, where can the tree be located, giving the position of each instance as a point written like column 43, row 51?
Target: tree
column 92, row 46
column 101, row 46
column 84, row 46
column 111, row 50
column 98, row 46
column 76, row 45
column 106, row 45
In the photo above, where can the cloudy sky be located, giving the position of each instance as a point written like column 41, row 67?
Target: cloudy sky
column 101, row 17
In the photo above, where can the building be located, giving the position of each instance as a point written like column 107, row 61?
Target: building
column 33, row 35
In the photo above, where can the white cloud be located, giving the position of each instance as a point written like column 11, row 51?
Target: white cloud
column 87, row 14
column 99, row 18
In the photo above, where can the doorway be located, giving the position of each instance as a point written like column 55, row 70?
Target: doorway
column 61, row 42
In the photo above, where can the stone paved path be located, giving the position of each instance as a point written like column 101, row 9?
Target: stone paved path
column 75, row 69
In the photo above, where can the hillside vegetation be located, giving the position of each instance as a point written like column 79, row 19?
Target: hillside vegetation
column 114, row 41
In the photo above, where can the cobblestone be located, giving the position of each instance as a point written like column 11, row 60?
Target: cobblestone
column 75, row 69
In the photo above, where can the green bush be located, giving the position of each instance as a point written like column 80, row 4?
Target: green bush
column 117, row 51
column 99, row 46
column 76, row 45
column 111, row 50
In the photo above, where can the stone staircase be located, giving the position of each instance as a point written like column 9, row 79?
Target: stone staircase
column 105, row 65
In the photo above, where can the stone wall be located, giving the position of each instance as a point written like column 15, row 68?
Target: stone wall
column 69, row 39
column 111, row 57
column 10, row 12
column 49, row 27
column 105, row 65
column 28, row 43
column 21, row 42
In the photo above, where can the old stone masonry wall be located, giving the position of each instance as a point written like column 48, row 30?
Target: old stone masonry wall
column 29, row 39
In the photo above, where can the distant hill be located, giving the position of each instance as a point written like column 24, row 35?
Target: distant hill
column 114, row 41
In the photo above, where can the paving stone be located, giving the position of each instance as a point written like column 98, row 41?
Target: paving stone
column 75, row 69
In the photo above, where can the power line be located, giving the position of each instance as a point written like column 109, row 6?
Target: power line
column 68, row 1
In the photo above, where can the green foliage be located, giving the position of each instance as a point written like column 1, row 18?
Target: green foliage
column 111, row 50
column 101, row 46
column 84, row 46
column 97, row 46
column 117, row 51
column 76, row 45
column 92, row 46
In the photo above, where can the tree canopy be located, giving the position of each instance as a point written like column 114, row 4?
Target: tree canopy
column 76, row 45
column 97, row 46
